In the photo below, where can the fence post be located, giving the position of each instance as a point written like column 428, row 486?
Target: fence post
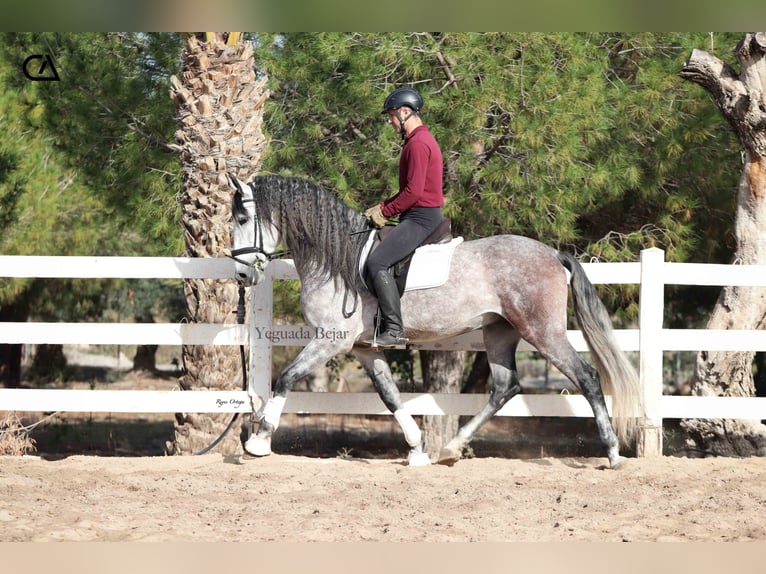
column 651, row 305
column 261, row 314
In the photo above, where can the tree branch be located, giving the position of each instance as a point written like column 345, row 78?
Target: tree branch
column 740, row 98
column 444, row 63
column 135, row 124
column 713, row 74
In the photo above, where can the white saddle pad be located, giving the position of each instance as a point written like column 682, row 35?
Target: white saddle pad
column 429, row 267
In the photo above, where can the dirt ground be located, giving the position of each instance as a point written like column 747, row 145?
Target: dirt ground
column 106, row 479
column 290, row 498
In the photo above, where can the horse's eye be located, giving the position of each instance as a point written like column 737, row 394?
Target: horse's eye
column 242, row 219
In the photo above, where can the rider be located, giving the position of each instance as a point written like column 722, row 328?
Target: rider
column 418, row 205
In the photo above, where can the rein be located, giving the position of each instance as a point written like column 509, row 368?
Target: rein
column 347, row 314
column 246, row 250
column 240, row 321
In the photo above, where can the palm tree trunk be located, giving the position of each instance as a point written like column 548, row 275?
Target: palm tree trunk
column 219, row 101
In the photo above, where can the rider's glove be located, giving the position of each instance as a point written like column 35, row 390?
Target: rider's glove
column 375, row 214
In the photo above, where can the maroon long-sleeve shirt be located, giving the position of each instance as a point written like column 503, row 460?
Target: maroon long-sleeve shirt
column 420, row 174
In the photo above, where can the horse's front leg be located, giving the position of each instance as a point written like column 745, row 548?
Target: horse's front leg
column 374, row 362
column 313, row 356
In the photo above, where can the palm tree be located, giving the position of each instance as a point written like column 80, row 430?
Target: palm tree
column 219, row 100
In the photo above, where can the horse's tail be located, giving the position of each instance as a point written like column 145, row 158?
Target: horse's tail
column 618, row 377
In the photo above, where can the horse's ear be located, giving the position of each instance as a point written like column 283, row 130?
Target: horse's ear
column 234, row 182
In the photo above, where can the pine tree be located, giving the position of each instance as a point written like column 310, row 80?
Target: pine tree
column 110, row 119
column 103, row 132
column 588, row 142
column 44, row 210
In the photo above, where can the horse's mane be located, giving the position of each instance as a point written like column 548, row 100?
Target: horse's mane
column 320, row 231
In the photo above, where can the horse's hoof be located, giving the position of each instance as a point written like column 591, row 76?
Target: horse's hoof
column 448, row 456
column 258, row 446
column 618, row 463
column 418, row 459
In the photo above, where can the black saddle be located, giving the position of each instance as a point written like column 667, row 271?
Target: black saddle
column 399, row 270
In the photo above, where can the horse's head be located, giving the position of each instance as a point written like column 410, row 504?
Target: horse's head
column 254, row 241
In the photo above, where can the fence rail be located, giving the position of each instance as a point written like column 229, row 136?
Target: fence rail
column 650, row 340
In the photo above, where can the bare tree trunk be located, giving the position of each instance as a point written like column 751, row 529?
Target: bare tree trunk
column 11, row 354
column 145, row 358
column 219, row 100
column 478, row 376
column 442, row 373
column 49, row 363
column 10, row 365
column 742, row 101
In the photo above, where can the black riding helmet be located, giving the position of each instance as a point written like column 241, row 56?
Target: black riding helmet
column 403, row 97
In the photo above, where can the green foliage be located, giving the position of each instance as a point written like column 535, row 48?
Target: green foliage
column 43, row 207
column 589, row 142
column 583, row 140
column 9, row 194
column 145, row 301
column 84, row 164
column 110, row 118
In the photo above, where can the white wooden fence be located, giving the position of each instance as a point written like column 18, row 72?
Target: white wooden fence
column 650, row 340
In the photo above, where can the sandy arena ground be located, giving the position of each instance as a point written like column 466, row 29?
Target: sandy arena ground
column 301, row 494
column 290, row 498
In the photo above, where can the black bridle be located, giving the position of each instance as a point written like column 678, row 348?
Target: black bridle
column 257, row 246
column 258, row 249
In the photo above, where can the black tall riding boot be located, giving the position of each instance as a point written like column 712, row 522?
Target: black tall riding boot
column 392, row 332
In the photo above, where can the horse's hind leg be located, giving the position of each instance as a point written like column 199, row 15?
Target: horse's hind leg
column 590, row 386
column 586, row 378
column 500, row 342
column 374, row 362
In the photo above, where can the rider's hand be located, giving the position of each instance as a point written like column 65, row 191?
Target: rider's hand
column 375, row 214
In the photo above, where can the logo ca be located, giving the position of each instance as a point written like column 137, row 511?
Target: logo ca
column 44, row 72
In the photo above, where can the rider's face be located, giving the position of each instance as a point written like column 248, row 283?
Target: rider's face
column 393, row 119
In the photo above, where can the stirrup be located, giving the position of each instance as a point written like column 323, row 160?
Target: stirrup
column 387, row 340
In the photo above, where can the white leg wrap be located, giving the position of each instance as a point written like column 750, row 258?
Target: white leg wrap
column 411, row 430
column 272, row 412
column 258, row 446
column 418, row 458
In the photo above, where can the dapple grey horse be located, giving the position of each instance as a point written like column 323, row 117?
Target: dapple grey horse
column 510, row 287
